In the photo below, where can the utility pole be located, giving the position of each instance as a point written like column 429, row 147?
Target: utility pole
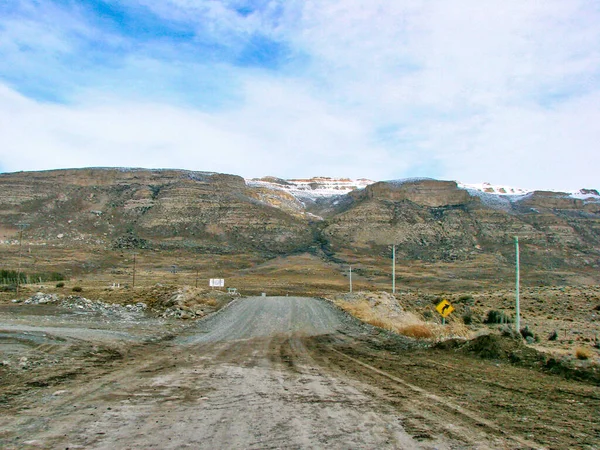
column 21, row 228
column 518, row 311
column 394, row 269
column 133, row 282
column 350, row 275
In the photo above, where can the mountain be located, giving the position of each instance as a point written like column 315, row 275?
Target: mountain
column 470, row 228
column 145, row 208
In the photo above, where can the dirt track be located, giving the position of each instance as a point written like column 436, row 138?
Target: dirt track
column 286, row 372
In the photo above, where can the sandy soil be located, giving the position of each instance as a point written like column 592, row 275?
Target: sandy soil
column 275, row 372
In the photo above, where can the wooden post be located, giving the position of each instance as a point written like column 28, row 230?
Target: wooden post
column 394, row 269
column 350, row 274
column 517, row 305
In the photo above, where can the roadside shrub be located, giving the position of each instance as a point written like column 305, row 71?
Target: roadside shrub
column 582, row 353
column 10, row 277
column 508, row 331
column 211, row 302
column 45, row 277
column 553, row 336
column 418, row 331
column 60, row 284
column 467, row 316
column 466, row 298
column 526, row 332
column 77, row 289
column 494, row 316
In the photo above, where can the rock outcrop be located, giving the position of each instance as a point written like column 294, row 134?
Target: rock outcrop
column 432, row 193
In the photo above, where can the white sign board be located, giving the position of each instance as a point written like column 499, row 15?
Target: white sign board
column 217, row 282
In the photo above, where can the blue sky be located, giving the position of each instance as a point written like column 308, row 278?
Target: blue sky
column 504, row 92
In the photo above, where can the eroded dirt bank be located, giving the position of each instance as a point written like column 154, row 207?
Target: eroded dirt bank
column 287, row 372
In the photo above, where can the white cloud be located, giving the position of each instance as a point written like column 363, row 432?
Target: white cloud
column 281, row 131
column 475, row 87
column 476, row 91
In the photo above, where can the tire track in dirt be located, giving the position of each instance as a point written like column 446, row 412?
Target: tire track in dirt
column 466, row 416
column 263, row 373
column 524, row 407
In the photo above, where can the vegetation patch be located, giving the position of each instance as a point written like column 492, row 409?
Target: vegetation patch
column 418, row 331
column 10, row 277
column 495, row 317
column 583, row 353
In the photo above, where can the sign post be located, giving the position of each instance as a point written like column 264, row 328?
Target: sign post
column 445, row 309
column 216, row 282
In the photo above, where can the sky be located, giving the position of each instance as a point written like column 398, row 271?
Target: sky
column 505, row 92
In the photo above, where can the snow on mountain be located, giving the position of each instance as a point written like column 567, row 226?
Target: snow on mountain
column 311, row 188
column 586, row 194
column 488, row 188
column 502, row 197
column 492, row 189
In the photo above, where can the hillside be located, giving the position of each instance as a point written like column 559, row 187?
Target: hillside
column 444, row 230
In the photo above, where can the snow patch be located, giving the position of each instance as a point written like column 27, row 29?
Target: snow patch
column 494, row 189
column 311, row 188
column 403, row 181
column 502, row 196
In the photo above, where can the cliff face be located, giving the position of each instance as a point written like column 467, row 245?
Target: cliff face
column 435, row 221
column 430, row 193
column 428, row 220
column 169, row 208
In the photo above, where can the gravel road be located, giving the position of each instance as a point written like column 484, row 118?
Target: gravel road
column 288, row 372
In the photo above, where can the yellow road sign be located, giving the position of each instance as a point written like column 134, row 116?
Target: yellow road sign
column 444, row 308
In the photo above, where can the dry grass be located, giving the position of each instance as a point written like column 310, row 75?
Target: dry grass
column 418, row 331
column 456, row 329
column 583, row 353
column 210, row 301
column 407, row 323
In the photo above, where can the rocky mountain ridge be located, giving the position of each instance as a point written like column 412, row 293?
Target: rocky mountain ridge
column 322, row 187
column 429, row 220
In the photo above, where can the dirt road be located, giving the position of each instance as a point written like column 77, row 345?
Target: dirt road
column 287, row 372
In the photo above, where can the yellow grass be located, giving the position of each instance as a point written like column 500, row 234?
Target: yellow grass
column 582, row 353
column 407, row 323
column 418, row 331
